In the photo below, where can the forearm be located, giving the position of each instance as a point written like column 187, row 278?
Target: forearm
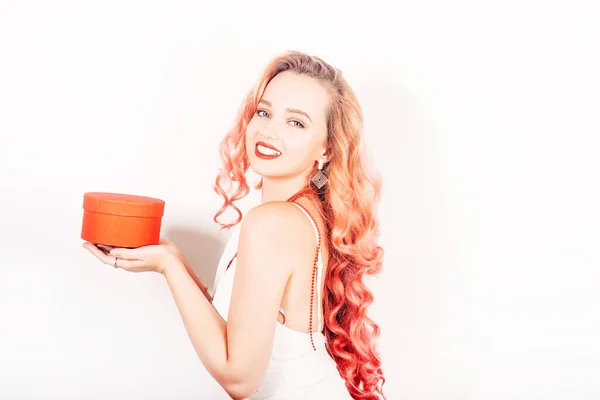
column 199, row 282
column 205, row 327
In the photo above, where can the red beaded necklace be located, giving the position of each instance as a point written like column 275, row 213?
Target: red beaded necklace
column 314, row 274
column 300, row 193
column 296, row 196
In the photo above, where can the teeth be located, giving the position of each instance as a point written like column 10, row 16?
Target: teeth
column 267, row 151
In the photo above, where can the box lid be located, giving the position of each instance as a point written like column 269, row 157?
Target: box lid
column 123, row 204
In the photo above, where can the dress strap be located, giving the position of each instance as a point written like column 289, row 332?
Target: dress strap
column 319, row 268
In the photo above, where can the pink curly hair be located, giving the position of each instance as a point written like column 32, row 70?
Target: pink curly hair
column 349, row 202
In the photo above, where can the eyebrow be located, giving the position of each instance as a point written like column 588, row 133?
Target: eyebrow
column 292, row 110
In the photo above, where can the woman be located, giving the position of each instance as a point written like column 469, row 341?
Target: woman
column 288, row 318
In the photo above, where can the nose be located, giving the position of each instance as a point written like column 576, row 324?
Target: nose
column 268, row 131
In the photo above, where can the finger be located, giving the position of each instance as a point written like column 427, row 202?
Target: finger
column 105, row 247
column 126, row 254
column 131, row 265
column 105, row 258
column 102, row 249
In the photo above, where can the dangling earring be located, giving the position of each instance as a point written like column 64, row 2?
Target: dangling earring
column 319, row 178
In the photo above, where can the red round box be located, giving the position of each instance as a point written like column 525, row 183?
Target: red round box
column 121, row 220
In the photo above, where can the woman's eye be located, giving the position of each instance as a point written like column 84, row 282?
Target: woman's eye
column 300, row 125
column 264, row 113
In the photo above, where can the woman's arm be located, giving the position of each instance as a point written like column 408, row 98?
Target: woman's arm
column 237, row 353
column 199, row 282
column 205, row 327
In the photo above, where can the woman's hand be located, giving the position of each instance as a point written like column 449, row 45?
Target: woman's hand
column 153, row 258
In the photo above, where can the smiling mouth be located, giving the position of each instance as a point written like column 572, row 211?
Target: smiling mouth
column 266, row 153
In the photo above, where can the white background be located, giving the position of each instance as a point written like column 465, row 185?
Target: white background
column 481, row 116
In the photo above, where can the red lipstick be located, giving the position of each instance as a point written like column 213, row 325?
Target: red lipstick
column 266, row 156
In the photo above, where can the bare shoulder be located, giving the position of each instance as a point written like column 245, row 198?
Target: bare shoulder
column 276, row 215
column 280, row 225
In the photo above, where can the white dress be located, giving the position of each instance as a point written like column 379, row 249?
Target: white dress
column 296, row 370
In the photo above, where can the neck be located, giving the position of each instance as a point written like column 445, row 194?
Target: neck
column 280, row 190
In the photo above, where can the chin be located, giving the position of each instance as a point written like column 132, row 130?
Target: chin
column 259, row 166
column 255, row 167
column 264, row 172
column 264, row 169
column 258, row 173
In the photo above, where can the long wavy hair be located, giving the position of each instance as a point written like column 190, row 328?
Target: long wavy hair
column 349, row 206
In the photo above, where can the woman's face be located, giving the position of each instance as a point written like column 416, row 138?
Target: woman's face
column 290, row 118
